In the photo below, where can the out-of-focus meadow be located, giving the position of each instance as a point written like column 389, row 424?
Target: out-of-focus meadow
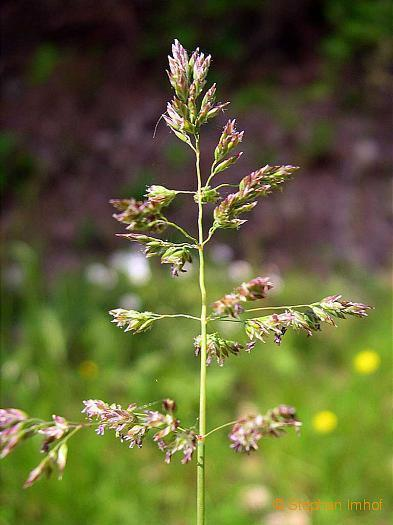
column 83, row 88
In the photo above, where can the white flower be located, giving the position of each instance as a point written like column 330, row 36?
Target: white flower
column 221, row 253
column 239, row 270
column 256, row 497
column 134, row 265
column 13, row 276
column 101, row 275
column 230, row 329
column 365, row 152
column 130, row 301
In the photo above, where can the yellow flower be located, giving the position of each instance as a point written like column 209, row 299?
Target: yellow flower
column 88, row 369
column 324, row 422
column 366, row 362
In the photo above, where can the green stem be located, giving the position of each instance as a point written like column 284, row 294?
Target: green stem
column 212, row 173
column 226, row 186
column 68, row 436
column 165, row 316
column 224, row 318
column 180, row 229
column 45, row 424
column 202, row 386
column 280, row 307
column 211, row 233
column 220, row 427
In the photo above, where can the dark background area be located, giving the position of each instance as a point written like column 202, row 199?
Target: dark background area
column 84, row 86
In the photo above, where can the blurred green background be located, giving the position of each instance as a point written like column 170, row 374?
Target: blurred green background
column 83, row 87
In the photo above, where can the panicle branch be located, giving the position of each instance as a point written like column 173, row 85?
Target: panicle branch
column 132, row 320
column 176, row 254
column 229, row 139
column 308, row 321
column 259, row 183
column 247, row 431
column 132, row 426
column 16, row 427
column 231, row 304
column 138, row 322
column 219, row 348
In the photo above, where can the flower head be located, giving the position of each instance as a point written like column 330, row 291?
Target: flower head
column 88, row 369
column 366, row 362
column 229, row 305
column 324, row 421
column 144, row 215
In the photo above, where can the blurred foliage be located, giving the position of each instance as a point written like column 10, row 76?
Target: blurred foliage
column 356, row 27
column 59, row 347
column 43, row 63
column 16, row 164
